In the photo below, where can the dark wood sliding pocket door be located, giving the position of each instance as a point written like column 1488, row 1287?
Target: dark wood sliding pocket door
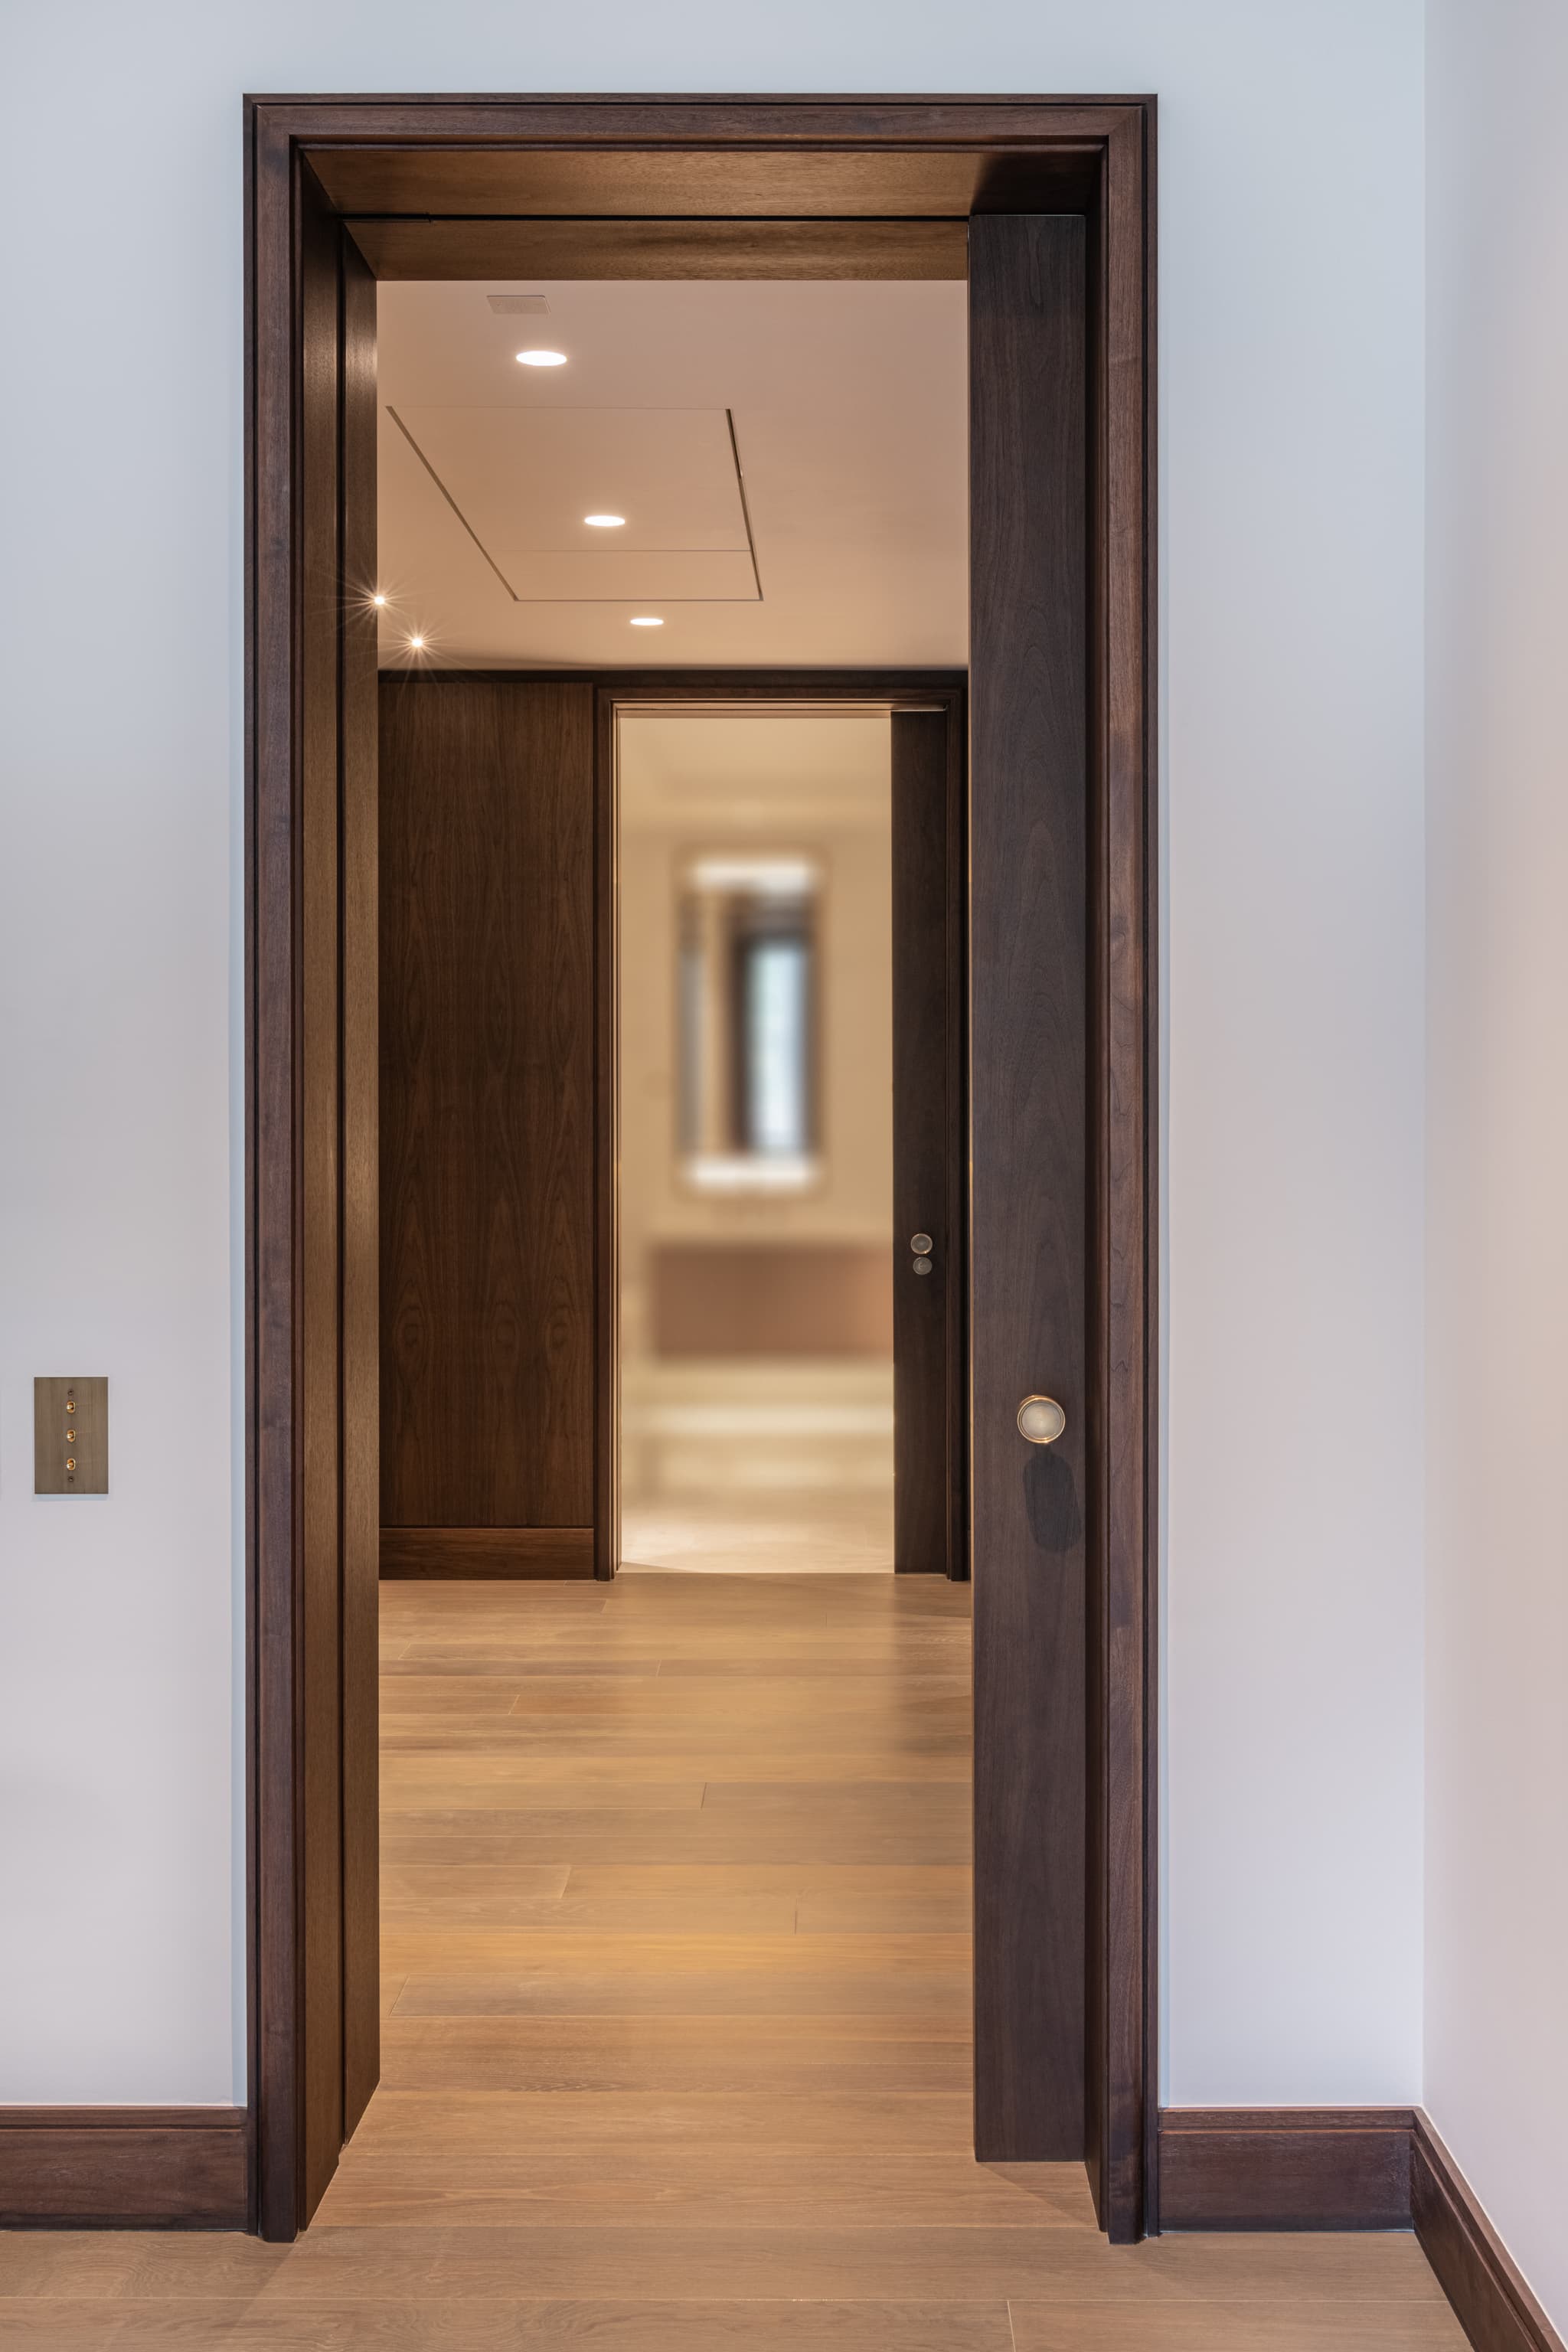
column 1029, row 1085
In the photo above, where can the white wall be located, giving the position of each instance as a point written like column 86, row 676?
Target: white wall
column 1497, row 2033
column 1290, row 357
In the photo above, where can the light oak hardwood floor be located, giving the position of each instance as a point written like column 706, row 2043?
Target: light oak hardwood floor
column 675, row 2056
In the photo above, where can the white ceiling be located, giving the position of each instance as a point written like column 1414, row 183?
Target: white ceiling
column 844, row 402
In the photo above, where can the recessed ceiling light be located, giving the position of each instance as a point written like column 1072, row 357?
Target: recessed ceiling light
column 542, row 359
column 417, row 645
column 378, row 598
column 647, row 621
column 605, row 523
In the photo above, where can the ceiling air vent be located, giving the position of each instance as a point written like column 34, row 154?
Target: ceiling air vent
column 517, row 306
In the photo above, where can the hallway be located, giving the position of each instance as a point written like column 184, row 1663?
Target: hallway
column 675, row 2055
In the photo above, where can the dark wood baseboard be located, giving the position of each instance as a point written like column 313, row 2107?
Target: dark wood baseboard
column 124, row 2168
column 1285, row 2167
column 1494, row 2306
column 487, row 1551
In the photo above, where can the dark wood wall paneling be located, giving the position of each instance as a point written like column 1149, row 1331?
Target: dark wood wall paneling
column 487, row 1103
column 1028, row 1141
column 472, row 1552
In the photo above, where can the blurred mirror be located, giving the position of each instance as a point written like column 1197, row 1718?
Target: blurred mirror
column 754, row 1076
column 748, row 991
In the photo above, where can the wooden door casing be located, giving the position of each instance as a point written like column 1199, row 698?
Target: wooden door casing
column 1093, row 158
column 312, row 1233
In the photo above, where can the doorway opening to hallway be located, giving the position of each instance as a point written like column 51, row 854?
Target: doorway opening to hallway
column 755, row 1062
column 789, row 1087
column 671, row 1120
column 486, row 736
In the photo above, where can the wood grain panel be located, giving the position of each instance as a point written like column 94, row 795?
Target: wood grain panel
column 556, row 250
column 645, row 183
column 487, row 1551
column 1029, row 805
column 124, row 2168
column 487, row 1095
column 1285, row 2168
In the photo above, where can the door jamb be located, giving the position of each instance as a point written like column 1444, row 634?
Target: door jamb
column 1098, row 154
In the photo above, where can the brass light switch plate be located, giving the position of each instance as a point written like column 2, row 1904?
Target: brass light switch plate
column 70, row 1437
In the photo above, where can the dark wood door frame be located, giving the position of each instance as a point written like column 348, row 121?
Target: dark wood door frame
column 839, row 186
column 942, row 691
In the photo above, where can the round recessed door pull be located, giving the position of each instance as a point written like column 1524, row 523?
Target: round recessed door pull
column 1041, row 1420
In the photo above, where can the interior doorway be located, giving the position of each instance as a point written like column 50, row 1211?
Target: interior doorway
column 1045, row 209
column 755, row 1101
column 788, row 1089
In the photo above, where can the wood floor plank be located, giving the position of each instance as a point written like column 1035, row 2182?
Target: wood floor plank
column 703, row 1835
column 872, row 1799
column 556, row 1988
column 516, row 1794
column 605, row 2259
column 522, row 1665
column 450, row 1735
column 884, row 1959
column 1245, row 2326
column 802, row 2057
column 427, row 2124
column 424, row 1881
column 803, row 1878
column 408, row 1766
column 688, row 1914
column 579, row 2326
column 948, row 1674
column 438, row 1693
column 874, row 1912
column 708, row 2184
